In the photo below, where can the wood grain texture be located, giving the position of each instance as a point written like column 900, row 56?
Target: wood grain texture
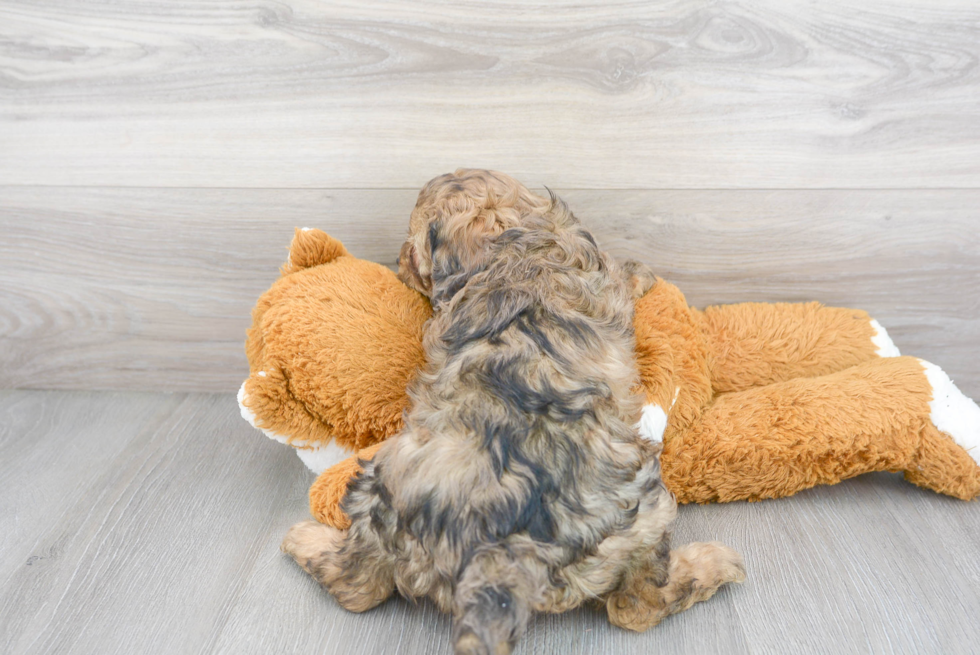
column 152, row 288
column 143, row 548
column 304, row 93
column 150, row 523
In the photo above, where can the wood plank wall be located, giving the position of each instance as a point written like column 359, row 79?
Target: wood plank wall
column 155, row 157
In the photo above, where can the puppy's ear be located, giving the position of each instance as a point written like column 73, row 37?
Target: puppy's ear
column 409, row 270
column 458, row 248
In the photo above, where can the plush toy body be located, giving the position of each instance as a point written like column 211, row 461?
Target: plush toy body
column 751, row 401
column 762, row 400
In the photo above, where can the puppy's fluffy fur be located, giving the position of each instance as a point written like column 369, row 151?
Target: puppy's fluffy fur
column 519, row 483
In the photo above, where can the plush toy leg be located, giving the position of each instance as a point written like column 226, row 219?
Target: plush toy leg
column 331, row 487
column 755, row 344
column 896, row 414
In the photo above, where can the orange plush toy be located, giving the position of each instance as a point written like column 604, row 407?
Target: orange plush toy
column 750, row 401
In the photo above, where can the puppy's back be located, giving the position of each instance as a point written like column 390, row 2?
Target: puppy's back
column 522, row 424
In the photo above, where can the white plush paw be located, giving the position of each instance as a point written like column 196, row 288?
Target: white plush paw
column 653, row 420
column 884, row 344
column 952, row 412
column 319, row 458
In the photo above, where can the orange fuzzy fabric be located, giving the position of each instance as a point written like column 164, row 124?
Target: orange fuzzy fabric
column 774, row 440
column 673, row 354
column 762, row 400
column 332, row 347
column 755, row 344
column 328, row 490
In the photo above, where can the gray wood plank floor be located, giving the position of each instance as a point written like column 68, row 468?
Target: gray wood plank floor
column 150, row 523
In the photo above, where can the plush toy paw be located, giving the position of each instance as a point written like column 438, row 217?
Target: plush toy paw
column 952, row 412
column 883, row 344
column 948, row 460
column 330, row 488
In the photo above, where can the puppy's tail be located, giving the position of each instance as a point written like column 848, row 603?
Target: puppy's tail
column 492, row 603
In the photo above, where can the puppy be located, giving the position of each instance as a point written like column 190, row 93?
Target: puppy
column 519, row 483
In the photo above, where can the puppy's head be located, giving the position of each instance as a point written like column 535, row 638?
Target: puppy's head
column 456, row 218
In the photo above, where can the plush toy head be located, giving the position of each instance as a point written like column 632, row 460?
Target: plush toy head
column 332, row 347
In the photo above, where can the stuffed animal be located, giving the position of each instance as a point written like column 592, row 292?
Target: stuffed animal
column 750, row 401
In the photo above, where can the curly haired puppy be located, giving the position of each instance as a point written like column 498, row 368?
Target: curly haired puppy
column 520, row 483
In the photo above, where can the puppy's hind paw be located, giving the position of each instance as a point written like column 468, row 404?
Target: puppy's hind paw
column 308, row 541
column 709, row 565
column 694, row 574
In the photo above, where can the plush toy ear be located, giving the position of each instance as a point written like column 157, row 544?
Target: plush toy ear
column 311, row 247
column 331, row 487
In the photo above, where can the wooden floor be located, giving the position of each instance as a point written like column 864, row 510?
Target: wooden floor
column 155, row 157
column 150, row 523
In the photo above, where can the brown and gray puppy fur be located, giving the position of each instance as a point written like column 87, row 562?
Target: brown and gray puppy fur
column 520, row 483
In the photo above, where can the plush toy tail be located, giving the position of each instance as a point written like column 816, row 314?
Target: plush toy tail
column 311, row 247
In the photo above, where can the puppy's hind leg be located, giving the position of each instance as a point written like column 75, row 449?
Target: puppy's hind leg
column 358, row 580
column 665, row 586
